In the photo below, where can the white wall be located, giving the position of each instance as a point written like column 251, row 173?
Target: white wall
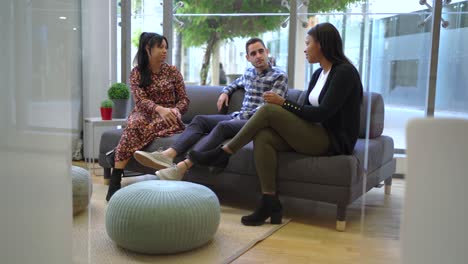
column 40, row 70
column 99, row 44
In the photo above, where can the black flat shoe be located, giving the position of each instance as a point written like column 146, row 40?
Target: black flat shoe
column 216, row 157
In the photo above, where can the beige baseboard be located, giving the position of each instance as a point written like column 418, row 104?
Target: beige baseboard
column 400, row 164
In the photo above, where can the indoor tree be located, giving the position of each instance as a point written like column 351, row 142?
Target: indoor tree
column 209, row 31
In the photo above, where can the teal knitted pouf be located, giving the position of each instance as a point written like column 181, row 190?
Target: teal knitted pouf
column 162, row 217
column 82, row 189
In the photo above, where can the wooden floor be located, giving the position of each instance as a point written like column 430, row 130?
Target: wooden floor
column 372, row 237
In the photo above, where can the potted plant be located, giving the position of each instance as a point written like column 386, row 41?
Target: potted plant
column 119, row 94
column 106, row 109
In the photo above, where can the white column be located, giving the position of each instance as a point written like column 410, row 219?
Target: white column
column 99, row 44
column 300, row 64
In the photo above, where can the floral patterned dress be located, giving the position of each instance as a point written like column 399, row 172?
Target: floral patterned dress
column 144, row 124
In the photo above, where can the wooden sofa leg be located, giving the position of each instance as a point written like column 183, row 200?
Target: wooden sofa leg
column 341, row 218
column 388, row 185
column 107, row 174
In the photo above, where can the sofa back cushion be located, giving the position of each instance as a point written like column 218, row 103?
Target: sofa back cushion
column 295, row 95
column 377, row 113
column 235, row 101
column 237, row 98
column 202, row 101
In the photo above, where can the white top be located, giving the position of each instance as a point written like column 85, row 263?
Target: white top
column 314, row 95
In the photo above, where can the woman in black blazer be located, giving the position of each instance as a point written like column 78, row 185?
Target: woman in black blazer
column 326, row 124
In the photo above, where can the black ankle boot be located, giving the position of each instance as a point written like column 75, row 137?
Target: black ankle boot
column 216, row 157
column 269, row 206
column 114, row 185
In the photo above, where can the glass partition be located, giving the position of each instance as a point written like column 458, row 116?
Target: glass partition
column 390, row 45
column 40, row 106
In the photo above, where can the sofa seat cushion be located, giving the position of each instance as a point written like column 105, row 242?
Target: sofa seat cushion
column 242, row 161
column 110, row 139
column 328, row 170
column 335, row 170
column 340, row 170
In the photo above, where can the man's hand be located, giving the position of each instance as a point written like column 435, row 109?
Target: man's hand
column 167, row 115
column 222, row 100
column 273, row 98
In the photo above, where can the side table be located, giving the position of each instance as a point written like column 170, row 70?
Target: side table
column 97, row 122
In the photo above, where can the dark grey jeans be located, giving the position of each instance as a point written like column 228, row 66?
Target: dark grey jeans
column 218, row 127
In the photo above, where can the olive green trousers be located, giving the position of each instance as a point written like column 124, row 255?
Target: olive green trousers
column 274, row 129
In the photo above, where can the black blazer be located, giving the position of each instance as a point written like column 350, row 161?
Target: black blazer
column 339, row 107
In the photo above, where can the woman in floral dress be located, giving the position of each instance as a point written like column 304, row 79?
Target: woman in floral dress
column 160, row 101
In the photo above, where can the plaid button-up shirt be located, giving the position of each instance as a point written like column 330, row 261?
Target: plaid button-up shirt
column 255, row 84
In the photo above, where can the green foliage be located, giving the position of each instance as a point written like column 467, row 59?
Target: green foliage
column 210, row 30
column 137, row 7
column 107, row 103
column 118, row 91
column 198, row 29
column 136, row 37
column 318, row 6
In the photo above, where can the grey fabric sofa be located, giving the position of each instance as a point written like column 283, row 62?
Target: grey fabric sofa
column 332, row 179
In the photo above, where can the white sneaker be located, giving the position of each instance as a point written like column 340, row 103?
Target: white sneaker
column 170, row 174
column 155, row 160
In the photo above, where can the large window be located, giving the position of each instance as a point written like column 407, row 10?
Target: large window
column 452, row 74
column 390, row 44
column 210, row 38
column 145, row 16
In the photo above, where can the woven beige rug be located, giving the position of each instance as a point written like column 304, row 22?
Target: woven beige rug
column 91, row 243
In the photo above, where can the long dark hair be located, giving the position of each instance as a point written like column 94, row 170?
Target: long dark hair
column 147, row 40
column 330, row 42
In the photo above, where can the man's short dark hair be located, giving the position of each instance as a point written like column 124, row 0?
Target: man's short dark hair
column 252, row 41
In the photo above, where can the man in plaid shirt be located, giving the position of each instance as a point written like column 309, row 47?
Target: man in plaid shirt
column 257, row 81
column 255, row 84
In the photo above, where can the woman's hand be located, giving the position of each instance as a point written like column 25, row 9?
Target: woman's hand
column 167, row 115
column 176, row 112
column 273, row 98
